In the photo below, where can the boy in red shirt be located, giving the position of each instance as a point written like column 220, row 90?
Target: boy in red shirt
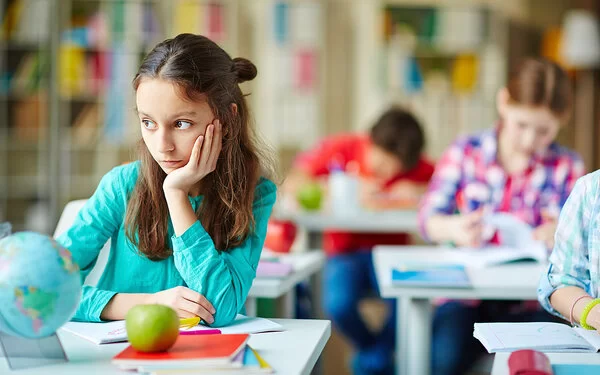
column 390, row 164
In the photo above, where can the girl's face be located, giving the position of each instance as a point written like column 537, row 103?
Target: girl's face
column 529, row 129
column 170, row 124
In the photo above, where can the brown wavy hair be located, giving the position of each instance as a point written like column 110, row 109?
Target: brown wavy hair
column 201, row 69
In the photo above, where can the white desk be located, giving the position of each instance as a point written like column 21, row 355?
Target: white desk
column 501, row 360
column 415, row 309
column 392, row 221
column 305, row 265
column 294, row 351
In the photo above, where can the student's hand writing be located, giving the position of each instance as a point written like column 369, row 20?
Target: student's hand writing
column 186, row 302
column 203, row 160
column 466, row 229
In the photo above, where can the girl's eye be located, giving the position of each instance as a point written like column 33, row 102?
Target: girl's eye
column 182, row 124
column 148, row 124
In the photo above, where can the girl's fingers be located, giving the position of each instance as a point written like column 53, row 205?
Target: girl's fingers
column 216, row 144
column 195, row 157
column 196, row 309
column 184, row 314
column 206, row 147
column 198, row 298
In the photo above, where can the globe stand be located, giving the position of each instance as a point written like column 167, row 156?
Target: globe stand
column 23, row 353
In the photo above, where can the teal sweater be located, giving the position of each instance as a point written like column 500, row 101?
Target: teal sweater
column 224, row 278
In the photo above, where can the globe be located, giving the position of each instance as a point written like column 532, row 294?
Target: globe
column 40, row 286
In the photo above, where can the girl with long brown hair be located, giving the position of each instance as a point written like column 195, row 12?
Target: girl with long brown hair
column 188, row 220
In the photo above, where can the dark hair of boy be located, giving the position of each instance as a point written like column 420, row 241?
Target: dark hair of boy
column 398, row 132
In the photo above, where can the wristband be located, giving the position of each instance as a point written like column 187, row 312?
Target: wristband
column 586, row 311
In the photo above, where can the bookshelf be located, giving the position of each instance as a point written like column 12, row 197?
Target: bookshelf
column 72, row 118
column 289, row 49
column 24, row 111
column 442, row 60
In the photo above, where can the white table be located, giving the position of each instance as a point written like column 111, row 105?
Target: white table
column 392, row 221
column 294, row 351
column 305, row 265
column 415, row 309
column 501, row 360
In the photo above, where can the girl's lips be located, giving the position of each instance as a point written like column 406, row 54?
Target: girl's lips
column 170, row 163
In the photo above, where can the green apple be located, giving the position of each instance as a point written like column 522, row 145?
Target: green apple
column 309, row 196
column 152, row 328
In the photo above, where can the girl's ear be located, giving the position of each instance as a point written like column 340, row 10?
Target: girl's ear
column 234, row 108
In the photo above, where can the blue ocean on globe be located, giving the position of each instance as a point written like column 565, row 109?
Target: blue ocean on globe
column 40, row 286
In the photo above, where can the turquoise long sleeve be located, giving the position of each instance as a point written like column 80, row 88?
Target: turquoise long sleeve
column 224, row 278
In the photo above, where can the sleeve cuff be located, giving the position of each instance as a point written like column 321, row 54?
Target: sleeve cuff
column 93, row 306
column 190, row 237
column 545, row 290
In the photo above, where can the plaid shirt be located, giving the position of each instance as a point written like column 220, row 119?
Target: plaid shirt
column 575, row 260
column 469, row 175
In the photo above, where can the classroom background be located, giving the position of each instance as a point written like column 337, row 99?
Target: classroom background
column 325, row 66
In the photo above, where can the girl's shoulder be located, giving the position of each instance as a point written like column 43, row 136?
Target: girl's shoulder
column 264, row 187
column 124, row 176
column 589, row 184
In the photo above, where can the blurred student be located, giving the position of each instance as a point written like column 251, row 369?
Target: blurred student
column 389, row 161
column 515, row 167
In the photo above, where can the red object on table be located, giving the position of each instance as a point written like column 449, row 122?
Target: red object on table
column 529, row 362
column 280, row 235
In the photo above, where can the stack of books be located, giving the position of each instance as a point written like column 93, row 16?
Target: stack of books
column 225, row 353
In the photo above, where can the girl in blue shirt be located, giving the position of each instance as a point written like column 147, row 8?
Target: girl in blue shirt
column 188, row 220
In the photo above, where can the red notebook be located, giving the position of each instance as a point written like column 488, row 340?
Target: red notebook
column 188, row 351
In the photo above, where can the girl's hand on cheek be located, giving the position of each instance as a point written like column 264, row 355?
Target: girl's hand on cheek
column 203, row 161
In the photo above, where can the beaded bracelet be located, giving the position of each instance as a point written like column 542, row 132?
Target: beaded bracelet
column 586, row 310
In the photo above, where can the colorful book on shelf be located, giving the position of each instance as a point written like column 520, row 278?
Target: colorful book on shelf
column 187, row 352
column 544, row 337
column 431, row 275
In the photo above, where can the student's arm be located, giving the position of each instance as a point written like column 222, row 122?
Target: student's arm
column 224, row 278
column 568, row 275
column 95, row 223
column 437, row 221
column 402, row 195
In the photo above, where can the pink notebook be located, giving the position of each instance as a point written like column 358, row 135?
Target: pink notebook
column 273, row 269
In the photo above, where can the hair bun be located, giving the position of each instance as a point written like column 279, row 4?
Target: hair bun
column 244, row 69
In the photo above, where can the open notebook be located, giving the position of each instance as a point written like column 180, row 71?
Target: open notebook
column 105, row 333
column 544, row 337
column 517, row 244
